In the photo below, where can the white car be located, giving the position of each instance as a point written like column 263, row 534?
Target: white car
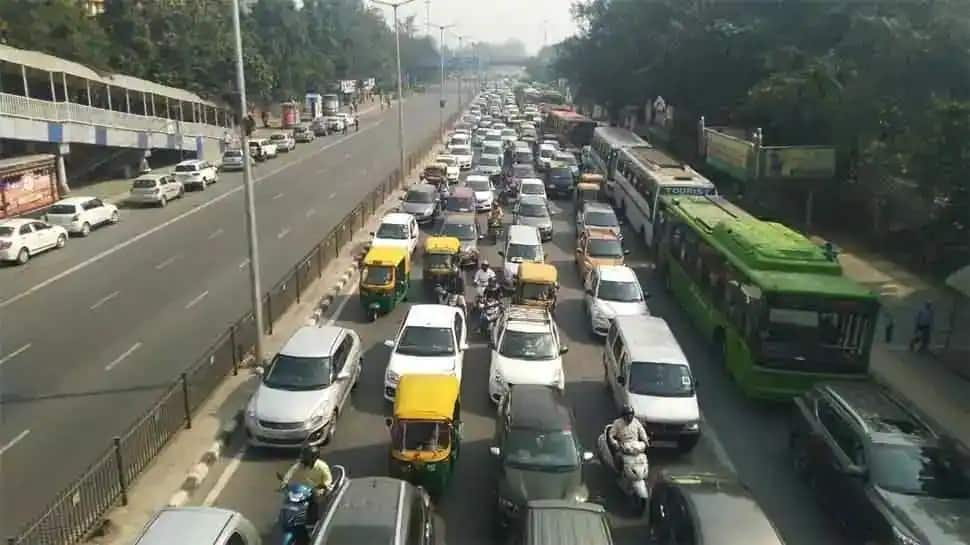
column 155, row 189
column 463, row 153
column 23, row 238
column 304, row 389
column 546, row 155
column 81, row 214
column 484, row 191
column 459, row 139
column 398, row 230
column 526, row 349
column 197, row 173
column 612, row 290
column 334, row 123
column 232, row 159
column 452, row 170
column 283, row 141
column 532, row 186
column 432, row 340
column 348, row 118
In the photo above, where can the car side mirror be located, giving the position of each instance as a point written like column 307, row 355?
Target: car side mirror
column 563, row 349
column 626, row 251
column 279, row 476
column 495, row 451
column 854, row 471
column 389, row 343
column 260, row 370
column 501, row 253
column 587, row 456
column 388, row 421
column 621, row 380
column 464, row 346
column 344, row 374
column 371, row 233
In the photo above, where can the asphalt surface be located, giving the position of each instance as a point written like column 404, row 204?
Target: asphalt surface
column 92, row 334
column 739, row 436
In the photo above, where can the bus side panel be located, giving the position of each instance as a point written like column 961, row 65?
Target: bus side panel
column 686, row 292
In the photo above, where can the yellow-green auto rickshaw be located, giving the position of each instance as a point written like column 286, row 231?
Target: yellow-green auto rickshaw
column 440, row 255
column 536, row 285
column 385, row 276
column 426, row 431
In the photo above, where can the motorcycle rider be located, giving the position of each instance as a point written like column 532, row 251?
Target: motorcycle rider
column 482, row 276
column 312, row 471
column 495, row 215
column 456, row 284
column 625, row 429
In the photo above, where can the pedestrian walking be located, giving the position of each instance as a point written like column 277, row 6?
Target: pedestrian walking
column 345, row 126
column 356, row 124
column 923, row 328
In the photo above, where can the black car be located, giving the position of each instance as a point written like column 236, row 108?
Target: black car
column 563, row 522
column 688, row 507
column 539, row 456
column 559, row 180
column 377, row 510
column 879, row 467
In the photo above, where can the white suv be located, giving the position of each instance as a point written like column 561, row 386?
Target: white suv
column 526, row 349
column 611, row 291
column 432, row 340
column 196, row 173
column 80, row 214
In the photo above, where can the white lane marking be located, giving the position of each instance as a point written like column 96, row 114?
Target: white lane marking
column 244, row 263
column 332, row 195
column 196, row 300
column 215, row 233
column 340, row 306
column 719, row 452
column 14, row 441
column 104, row 300
column 277, row 196
column 310, row 212
column 283, row 233
column 120, row 358
column 15, row 353
column 166, row 263
column 198, row 208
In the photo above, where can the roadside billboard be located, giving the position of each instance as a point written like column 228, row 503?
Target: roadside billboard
column 348, row 86
column 27, row 184
column 797, row 162
column 369, row 84
column 729, row 154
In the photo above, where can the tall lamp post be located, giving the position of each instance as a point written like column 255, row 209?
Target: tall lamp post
column 460, row 70
column 441, row 91
column 251, row 234
column 400, row 85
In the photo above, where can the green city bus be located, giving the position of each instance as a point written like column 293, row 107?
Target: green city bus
column 776, row 308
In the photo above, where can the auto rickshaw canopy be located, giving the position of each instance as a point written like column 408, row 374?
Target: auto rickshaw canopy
column 586, row 186
column 537, row 273
column 385, row 256
column 442, row 245
column 592, row 178
column 426, row 397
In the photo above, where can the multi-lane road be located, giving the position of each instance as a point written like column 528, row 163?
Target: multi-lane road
column 739, row 436
column 91, row 334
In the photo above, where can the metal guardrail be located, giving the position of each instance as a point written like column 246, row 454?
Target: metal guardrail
column 81, row 506
column 69, row 112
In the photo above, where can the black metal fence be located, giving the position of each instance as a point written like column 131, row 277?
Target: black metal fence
column 80, row 507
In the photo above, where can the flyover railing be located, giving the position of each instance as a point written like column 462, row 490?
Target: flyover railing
column 80, row 507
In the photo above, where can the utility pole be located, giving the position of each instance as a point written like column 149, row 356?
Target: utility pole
column 255, row 284
column 427, row 16
column 441, row 91
column 460, row 71
column 545, row 32
column 400, row 85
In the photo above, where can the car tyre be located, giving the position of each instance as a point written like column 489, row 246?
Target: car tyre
column 115, row 217
column 61, row 241
column 162, row 202
column 85, row 229
column 332, row 432
column 23, row 256
column 203, row 185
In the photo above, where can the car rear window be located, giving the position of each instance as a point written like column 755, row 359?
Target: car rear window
column 185, row 168
column 6, row 231
column 144, row 184
column 61, row 209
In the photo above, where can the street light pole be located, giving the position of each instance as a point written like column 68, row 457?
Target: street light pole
column 460, row 37
column 441, row 90
column 400, row 84
column 256, row 290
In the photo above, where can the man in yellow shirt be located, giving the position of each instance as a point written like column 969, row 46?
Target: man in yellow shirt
column 313, row 472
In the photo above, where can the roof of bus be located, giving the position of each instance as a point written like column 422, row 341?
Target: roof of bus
column 568, row 114
column 619, row 136
column 775, row 256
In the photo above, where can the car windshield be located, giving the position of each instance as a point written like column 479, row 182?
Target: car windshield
column 660, row 379
column 541, row 450
column 185, row 168
column 278, row 137
column 461, row 151
column 816, row 333
column 479, row 185
column 489, row 161
column 232, row 154
column 569, row 159
column 450, row 161
column 604, row 247
column 423, row 197
column 426, row 341
column 524, row 157
column 461, row 231
column 61, row 209
column 528, row 345
column 531, row 210
column 6, row 231
column 560, row 172
column 143, row 184
column 532, row 189
column 919, row 471
column 547, row 153
column 375, row 275
column 493, row 150
column 523, row 171
column 600, row 219
column 295, row 373
column 396, row 231
column 624, row 292
column 517, row 253
column 460, row 204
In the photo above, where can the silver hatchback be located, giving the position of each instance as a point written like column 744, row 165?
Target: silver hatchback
column 304, row 388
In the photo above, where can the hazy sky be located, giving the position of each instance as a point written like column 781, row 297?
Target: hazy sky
column 495, row 20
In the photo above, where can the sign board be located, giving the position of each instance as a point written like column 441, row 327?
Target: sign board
column 369, row 84
column 729, row 154
column 348, row 86
column 797, row 162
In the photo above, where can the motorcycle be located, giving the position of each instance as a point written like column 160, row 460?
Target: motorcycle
column 293, row 513
column 494, row 229
column 488, row 311
column 633, row 478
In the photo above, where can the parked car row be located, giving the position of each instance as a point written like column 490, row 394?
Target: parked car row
column 23, row 238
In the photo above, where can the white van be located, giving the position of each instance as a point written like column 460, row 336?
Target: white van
column 521, row 244
column 646, row 369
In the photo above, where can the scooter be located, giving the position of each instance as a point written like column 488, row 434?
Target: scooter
column 494, row 229
column 633, row 479
column 293, row 513
column 488, row 310
column 446, row 297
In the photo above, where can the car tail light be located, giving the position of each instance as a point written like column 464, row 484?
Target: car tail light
column 4, row 244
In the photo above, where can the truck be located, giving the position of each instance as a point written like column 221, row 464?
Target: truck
column 314, row 107
column 331, row 104
column 27, row 184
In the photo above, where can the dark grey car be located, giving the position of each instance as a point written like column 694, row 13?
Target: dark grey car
column 377, row 511
column 539, row 455
column 422, row 202
column 534, row 212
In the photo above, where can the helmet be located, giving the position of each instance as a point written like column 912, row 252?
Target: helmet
column 309, row 455
column 627, row 412
column 484, row 264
